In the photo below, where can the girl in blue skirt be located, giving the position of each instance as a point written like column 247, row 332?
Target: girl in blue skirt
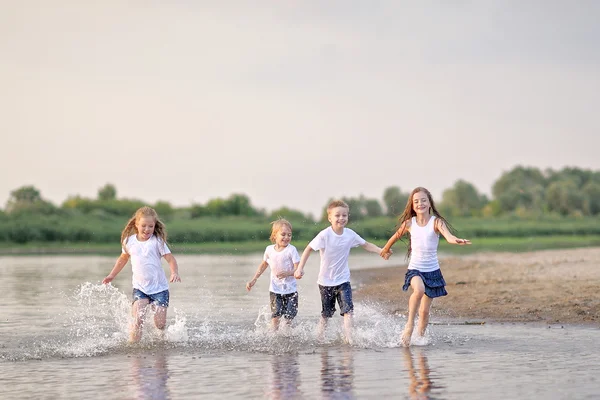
column 424, row 224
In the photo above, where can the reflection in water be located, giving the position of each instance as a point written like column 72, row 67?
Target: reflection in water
column 420, row 384
column 150, row 374
column 337, row 373
column 285, row 379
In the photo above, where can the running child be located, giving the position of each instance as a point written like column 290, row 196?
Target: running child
column 144, row 241
column 334, row 244
column 283, row 259
column 423, row 224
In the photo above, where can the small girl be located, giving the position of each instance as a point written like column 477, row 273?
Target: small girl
column 283, row 259
column 144, row 240
column 423, row 223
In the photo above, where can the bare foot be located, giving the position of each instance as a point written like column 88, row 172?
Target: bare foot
column 406, row 335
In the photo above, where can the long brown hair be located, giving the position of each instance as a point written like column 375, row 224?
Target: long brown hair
column 159, row 227
column 409, row 212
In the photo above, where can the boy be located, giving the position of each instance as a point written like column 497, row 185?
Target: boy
column 334, row 244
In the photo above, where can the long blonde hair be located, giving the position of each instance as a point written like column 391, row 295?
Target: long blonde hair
column 276, row 227
column 159, row 227
column 409, row 212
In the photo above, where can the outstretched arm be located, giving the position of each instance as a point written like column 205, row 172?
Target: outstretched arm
column 371, row 248
column 174, row 267
column 386, row 252
column 121, row 262
column 450, row 238
column 300, row 270
column 261, row 268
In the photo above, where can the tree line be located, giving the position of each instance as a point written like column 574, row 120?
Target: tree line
column 523, row 193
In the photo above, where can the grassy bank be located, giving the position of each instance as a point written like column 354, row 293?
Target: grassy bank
column 493, row 244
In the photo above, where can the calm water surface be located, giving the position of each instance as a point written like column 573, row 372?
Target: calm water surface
column 63, row 335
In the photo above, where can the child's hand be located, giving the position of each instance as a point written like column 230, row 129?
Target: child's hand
column 386, row 254
column 462, row 241
column 250, row 284
column 108, row 279
column 175, row 277
column 299, row 274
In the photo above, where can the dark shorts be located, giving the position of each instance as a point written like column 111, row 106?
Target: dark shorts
column 329, row 294
column 285, row 305
column 159, row 299
column 434, row 282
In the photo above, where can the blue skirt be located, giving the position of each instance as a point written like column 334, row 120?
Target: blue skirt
column 434, row 282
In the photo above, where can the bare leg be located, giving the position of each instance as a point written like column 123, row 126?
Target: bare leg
column 160, row 318
column 138, row 311
column 424, row 314
column 275, row 324
column 321, row 329
column 413, row 305
column 348, row 320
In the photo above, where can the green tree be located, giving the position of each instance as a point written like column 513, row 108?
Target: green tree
column 395, row 200
column 462, row 200
column 373, row 208
column 564, row 197
column 107, row 192
column 289, row 214
column 521, row 187
column 28, row 199
column 164, row 209
column 591, row 202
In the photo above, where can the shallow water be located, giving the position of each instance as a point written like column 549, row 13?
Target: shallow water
column 63, row 335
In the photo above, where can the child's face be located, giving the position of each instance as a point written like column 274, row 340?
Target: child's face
column 421, row 203
column 338, row 217
column 145, row 227
column 283, row 237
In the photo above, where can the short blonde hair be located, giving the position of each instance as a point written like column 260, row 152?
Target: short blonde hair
column 276, row 227
column 337, row 203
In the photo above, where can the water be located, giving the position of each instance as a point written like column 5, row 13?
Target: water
column 63, row 335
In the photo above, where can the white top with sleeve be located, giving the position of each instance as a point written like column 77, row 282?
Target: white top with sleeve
column 148, row 273
column 334, row 250
column 282, row 261
column 424, row 242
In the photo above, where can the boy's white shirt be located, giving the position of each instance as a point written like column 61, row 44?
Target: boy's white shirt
column 148, row 273
column 334, row 250
column 280, row 261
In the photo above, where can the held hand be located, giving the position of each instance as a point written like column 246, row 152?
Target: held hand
column 250, row 284
column 175, row 277
column 107, row 280
column 385, row 254
column 299, row 274
column 462, row 241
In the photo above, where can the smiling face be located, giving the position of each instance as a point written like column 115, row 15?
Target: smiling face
column 283, row 237
column 338, row 217
column 421, row 203
column 145, row 228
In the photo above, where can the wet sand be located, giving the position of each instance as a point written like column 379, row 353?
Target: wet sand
column 552, row 286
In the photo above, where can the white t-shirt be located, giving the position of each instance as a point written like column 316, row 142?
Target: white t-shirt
column 148, row 273
column 281, row 261
column 334, row 250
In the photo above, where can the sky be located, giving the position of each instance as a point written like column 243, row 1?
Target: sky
column 292, row 102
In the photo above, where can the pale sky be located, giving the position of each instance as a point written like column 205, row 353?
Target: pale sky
column 292, row 102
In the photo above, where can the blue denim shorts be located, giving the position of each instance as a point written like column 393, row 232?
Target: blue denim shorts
column 285, row 305
column 329, row 294
column 159, row 299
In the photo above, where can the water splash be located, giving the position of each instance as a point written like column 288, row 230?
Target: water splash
column 97, row 318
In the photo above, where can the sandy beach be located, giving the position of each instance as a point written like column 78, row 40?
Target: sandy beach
column 553, row 286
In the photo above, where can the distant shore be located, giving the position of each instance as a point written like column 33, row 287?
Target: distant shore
column 492, row 244
column 550, row 286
